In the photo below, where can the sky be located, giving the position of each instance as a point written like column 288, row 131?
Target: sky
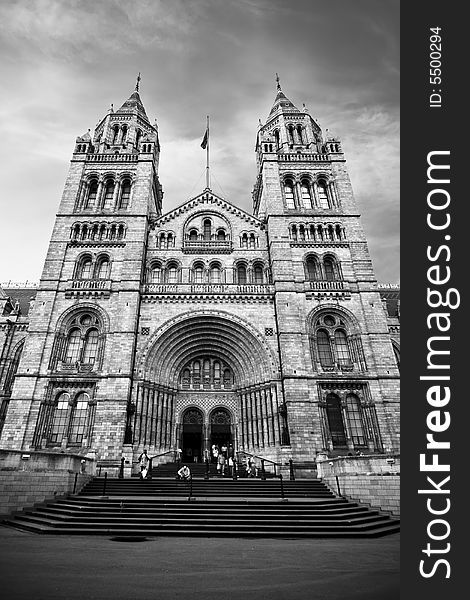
column 65, row 61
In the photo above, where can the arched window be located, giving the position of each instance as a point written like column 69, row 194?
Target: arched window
column 290, row 134
column 302, row 233
column 356, row 428
column 325, row 353
column 198, row 273
column 156, row 274
column 79, row 419
column 300, row 134
column 207, row 230
column 221, row 235
column 172, row 273
column 125, row 194
column 289, row 193
column 193, row 235
column 196, row 372
column 244, row 241
column 103, row 268
column 85, row 268
column 335, row 420
column 215, row 274
column 138, row 135
column 241, row 274
column 342, row 348
column 216, row 369
column 171, row 241
column 258, row 273
column 312, row 268
column 109, row 194
column 329, row 268
column 61, row 419
column 90, row 347
column 115, row 134
column 124, row 134
column 276, row 137
column 162, row 241
column 322, row 194
column 306, row 195
column 72, row 352
column 92, row 193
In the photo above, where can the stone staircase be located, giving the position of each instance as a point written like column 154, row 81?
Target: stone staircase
column 216, row 507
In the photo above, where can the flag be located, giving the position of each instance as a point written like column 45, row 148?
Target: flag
column 204, row 140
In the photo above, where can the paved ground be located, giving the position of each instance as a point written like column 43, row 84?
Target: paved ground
column 34, row 567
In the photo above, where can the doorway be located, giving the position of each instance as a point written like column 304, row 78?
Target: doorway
column 192, row 436
column 220, row 429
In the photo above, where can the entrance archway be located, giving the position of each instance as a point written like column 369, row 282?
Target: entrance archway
column 220, row 432
column 192, row 435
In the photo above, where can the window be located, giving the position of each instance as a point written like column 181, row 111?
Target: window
column 329, row 268
column 335, row 420
column 356, row 429
column 212, row 369
column 215, row 274
column 92, row 194
column 109, row 194
column 322, row 195
column 258, row 273
column 342, row 348
column 221, row 235
column 290, row 134
column 207, row 230
column 289, row 192
column 276, row 137
column 241, row 274
column 300, row 134
column 79, row 419
column 312, row 268
column 193, row 235
column 252, row 241
column 244, row 241
column 84, row 271
column 72, row 352
column 90, row 347
column 172, row 273
column 115, row 134
column 103, row 269
column 198, row 273
column 125, row 194
column 61, row 417
column 156, row 274
column 306, row 197
column 325, row 353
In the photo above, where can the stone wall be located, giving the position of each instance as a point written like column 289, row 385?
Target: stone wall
column 43, row 476
column 369, row 479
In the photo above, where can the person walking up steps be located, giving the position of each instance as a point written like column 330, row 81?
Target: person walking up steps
column 144, row 461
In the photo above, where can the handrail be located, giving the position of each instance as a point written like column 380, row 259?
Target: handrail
column 163, row 454
column 263, row 460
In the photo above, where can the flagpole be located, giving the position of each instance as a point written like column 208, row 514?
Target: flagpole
column 207, row 155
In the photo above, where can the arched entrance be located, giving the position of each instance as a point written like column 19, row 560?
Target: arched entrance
column 192, row 435
column 220, row 423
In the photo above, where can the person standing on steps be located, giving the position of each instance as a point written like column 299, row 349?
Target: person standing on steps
column 230, row 459
column 144, row 461
column 220, row 464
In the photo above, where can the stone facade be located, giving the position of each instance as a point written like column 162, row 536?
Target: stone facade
column 205, row 324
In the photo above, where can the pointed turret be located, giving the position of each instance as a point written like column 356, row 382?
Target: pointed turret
column 281, row 102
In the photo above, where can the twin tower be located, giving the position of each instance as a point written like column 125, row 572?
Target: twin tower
column 206, row 324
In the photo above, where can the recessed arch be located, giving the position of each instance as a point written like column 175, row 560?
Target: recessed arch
column 208, row 333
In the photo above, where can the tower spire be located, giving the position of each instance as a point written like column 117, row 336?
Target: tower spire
column 137, row 82
column 278, row 83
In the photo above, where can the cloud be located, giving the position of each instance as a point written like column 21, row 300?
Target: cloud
column 64, row 62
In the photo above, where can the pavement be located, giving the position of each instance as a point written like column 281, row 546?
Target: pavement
column 43, row 567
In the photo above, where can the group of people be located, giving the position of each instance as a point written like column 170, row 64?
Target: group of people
column 224, row 457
